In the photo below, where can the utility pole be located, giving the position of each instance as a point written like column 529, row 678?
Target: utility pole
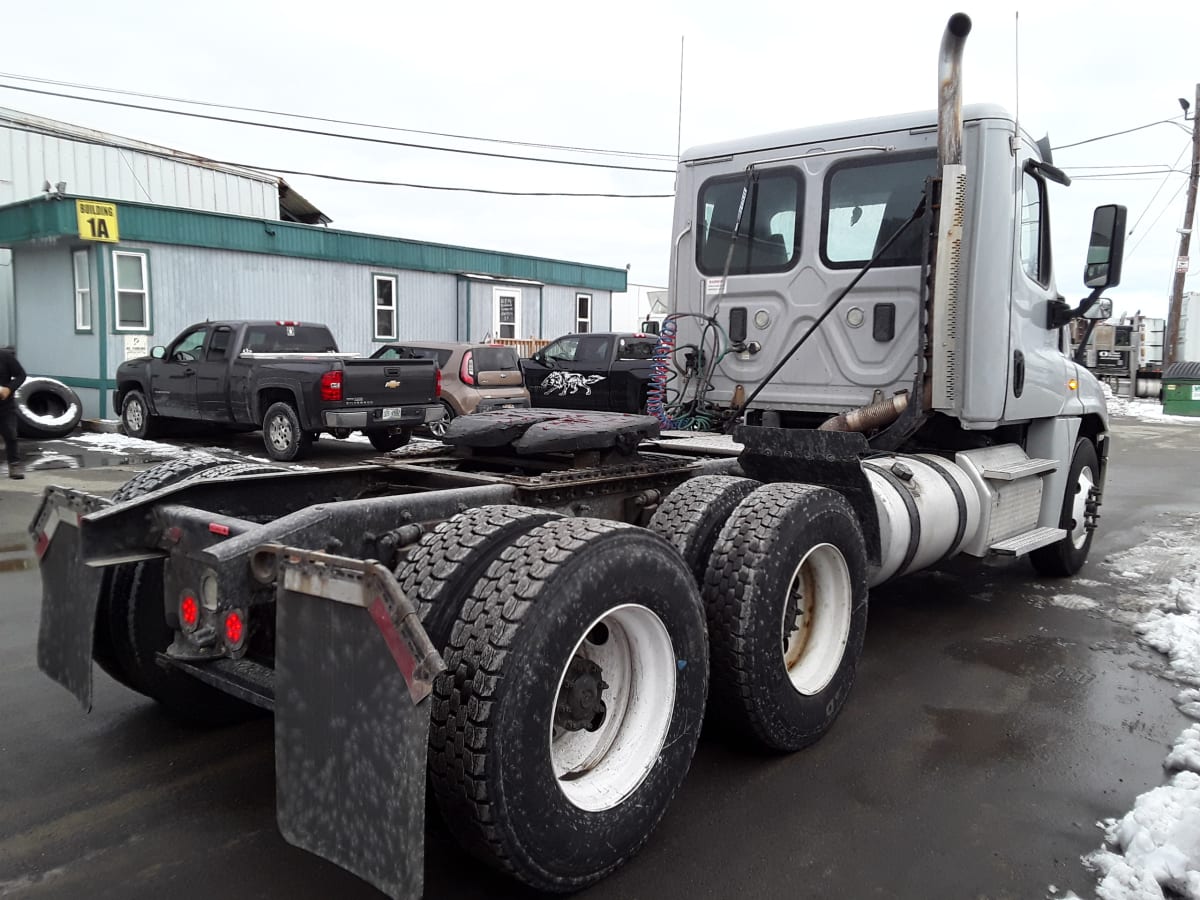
column 1185, row 240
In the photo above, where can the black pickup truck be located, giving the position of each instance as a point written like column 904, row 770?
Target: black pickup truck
column 286, row 378
column 607, row 371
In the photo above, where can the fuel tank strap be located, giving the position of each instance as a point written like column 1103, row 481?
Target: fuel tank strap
column 959, row 499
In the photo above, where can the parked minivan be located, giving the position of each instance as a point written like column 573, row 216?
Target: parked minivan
column 475, row 377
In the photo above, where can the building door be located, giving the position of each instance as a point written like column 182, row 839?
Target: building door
column 506, row 313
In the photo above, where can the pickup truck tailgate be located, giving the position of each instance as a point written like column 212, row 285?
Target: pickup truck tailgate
column 391, row 382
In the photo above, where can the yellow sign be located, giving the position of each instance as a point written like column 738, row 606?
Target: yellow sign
column 97, row 221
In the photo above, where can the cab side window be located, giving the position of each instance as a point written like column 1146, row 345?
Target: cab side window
column 1035, row 236
column 218, row 346
column 188, row 347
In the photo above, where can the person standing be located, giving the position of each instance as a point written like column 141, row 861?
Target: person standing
column 11, row 377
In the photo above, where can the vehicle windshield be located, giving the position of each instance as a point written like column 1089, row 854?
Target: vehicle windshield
column 288, row 339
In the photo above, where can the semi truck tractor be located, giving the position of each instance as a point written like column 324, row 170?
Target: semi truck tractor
column 534, row 616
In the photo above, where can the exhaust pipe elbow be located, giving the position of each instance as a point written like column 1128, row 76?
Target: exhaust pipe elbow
column 950, row 90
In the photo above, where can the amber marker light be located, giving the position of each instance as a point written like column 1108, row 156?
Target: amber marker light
column 1073, row 384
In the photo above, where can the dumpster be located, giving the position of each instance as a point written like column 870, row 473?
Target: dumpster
column 1181, row 389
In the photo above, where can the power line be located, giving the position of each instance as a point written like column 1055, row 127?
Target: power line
column 333, row 134
column 1103, row 137
column 329, row 121
column 1159, row 189
column 1155, row 222
column 49, row 132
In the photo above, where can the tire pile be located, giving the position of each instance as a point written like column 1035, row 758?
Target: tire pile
column 46, row 409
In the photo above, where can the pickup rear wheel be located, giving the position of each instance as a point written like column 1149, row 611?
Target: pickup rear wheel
column 136, row 417
column 786, row 600
column 572, row 702
column 387, row 439
column 283, row 437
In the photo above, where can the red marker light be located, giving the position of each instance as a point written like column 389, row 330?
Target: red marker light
column 235, row 630
column 286, row 322
column 189, row 612
column 218, row 528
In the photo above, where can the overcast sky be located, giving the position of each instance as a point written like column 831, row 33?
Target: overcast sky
column 607, row 76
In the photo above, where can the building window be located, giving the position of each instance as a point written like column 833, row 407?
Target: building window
column 132, row 283
column 506, row 312
column 583, row 313
column 385, row 308
column 83, row 291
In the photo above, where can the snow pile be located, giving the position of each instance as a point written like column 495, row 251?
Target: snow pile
column 1145, row 410
column 1153, row 852
column 120, row 443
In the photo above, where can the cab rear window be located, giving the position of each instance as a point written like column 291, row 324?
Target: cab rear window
column 289, row 339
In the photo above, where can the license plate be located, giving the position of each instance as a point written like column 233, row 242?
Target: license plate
column 508, row 406
column 392, row 412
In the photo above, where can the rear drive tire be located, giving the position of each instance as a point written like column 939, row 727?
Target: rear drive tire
column 136, row 417
column 786, row 600
column 572, row 702
column 283, row 437
column 1067, row 557
column 446, row 564
column 693, row 514
column 131, row 623
column 386, row 440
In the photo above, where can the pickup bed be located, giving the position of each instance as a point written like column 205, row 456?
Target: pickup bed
column 608, row 371
column 286, row 378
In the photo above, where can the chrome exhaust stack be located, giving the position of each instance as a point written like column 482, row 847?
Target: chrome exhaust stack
column 950, row 125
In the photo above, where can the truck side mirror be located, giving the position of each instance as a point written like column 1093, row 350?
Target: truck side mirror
column 158, row 352
column 1107, row 248
column 1100, row 310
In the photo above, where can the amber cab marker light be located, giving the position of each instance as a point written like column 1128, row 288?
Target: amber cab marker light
column 1073, row 384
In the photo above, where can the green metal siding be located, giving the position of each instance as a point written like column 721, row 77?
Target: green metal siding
column 37, row 219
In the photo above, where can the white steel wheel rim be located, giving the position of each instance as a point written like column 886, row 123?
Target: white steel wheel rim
column 1079, row 531
column 597, row 770
column 280, row 433
column 134, row 415
column 816, row 618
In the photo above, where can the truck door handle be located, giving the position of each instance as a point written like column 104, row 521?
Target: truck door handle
column 189, row 371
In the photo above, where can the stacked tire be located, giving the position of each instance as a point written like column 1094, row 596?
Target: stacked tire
column 46, row 409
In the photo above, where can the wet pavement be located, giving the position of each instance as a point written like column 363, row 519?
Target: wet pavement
column 988, row 731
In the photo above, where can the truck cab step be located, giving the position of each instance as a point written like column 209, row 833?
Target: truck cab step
column 1022, row 468
column 1021, row 544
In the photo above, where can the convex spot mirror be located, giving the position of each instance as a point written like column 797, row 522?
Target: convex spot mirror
column 1107, row 247
column 158, row 352
column 1100, row 310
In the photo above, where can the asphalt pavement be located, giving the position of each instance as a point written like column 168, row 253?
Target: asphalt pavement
column 988, row 731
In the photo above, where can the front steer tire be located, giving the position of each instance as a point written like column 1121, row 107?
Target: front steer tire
column 136, row 418
column 502, row 708
column 1066, row 557
column 786, row 599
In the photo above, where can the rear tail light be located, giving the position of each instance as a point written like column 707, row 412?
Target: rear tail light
column 331, row 386
column 235, row 630
column 466, row 372
column 437, row 384
column 189, row 613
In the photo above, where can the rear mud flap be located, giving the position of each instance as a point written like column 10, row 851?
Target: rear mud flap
column 70, row 595
column 350, row 745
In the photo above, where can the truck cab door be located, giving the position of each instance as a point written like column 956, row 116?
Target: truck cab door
column 571, row 373
column 630, row 372
column 212, row 371
column 173, row 378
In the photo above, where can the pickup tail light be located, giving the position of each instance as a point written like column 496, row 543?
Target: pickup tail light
column 466, row 372
column 437, row 384
column 331, row 386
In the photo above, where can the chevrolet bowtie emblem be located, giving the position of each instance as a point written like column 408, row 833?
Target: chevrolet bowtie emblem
column 391, row 384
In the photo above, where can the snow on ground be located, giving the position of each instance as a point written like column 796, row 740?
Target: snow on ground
column 120, row 443
column 1153, row 852
column 1145, row 410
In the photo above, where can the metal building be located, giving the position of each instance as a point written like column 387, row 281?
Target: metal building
column 36, row 152
column 98, row 281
